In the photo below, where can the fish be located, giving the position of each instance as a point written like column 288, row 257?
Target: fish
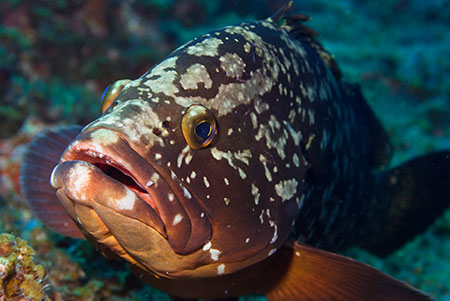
column 240, row 164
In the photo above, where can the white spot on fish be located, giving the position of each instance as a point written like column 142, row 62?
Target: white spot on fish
column 177, row 219
column 158, row 156
column 227, row 201
column 181, row 155
column 186, row 193
column 221, row 269
column 271, row 252
column 242, row 173
column 255, row 193
column 254, row 120
column 193, row 174
column 263, row 160
column 215, row 254
column 188, row 158
column 296, row 160
column 170, row 196
column 155, row 178
column 207, row 246
column 206, row 182
column 275, row 234
column 226, row 181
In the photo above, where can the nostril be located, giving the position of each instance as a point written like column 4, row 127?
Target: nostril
column 157, row 131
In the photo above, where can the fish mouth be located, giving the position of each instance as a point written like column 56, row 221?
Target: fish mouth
column 147, row 192
column 111, row 168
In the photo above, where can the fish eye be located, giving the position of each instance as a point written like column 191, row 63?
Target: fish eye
column 199, row 126
column 111, row 92
column 203, row 129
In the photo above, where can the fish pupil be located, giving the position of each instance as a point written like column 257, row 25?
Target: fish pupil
column 203, row 130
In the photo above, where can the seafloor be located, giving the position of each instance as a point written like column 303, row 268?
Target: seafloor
column 56, row 57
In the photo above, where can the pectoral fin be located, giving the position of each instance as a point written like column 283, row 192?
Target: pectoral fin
column 41, row 156
column 313, row 274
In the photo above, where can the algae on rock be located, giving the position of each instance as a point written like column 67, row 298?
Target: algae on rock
column 20, row 277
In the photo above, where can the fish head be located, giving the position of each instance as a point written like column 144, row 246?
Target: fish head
column 184, row 174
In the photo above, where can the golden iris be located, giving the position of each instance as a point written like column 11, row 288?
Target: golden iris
column 199, row 126
column 111, row 93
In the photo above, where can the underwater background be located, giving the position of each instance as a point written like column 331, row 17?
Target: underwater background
column 57, row 57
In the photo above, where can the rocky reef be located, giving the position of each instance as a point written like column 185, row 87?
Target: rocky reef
column 20, row 277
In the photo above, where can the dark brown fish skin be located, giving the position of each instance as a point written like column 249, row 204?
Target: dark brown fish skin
column 292, row 157
column 292, row 148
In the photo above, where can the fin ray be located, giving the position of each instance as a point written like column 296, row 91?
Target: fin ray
column 313, row 274
column 41, row 156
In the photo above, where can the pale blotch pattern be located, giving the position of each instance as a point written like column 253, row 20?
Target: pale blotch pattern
column 163, row 79
column 286, row 189
column 137, row 127
column 208, row 47
column 194, row 75
column 126, row 202
column 232, row 64
column 79, row 178
column 104, row 137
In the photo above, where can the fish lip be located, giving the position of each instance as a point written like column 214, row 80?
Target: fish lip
column 93, row 157
column 186, row 236
column 87, row 151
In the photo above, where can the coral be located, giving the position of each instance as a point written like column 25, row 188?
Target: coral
column 20, row 277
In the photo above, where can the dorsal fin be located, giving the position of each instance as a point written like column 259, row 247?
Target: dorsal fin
column 294, row 25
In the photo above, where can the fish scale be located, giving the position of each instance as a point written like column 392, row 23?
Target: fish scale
column 243, row 152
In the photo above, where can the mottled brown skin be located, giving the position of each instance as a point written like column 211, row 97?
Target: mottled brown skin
column 289, row 154
column 292, row 147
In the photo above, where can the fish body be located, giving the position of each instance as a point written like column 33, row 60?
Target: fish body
column 239, row 141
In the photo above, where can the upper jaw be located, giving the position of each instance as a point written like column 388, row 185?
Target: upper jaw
column 166, row 206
